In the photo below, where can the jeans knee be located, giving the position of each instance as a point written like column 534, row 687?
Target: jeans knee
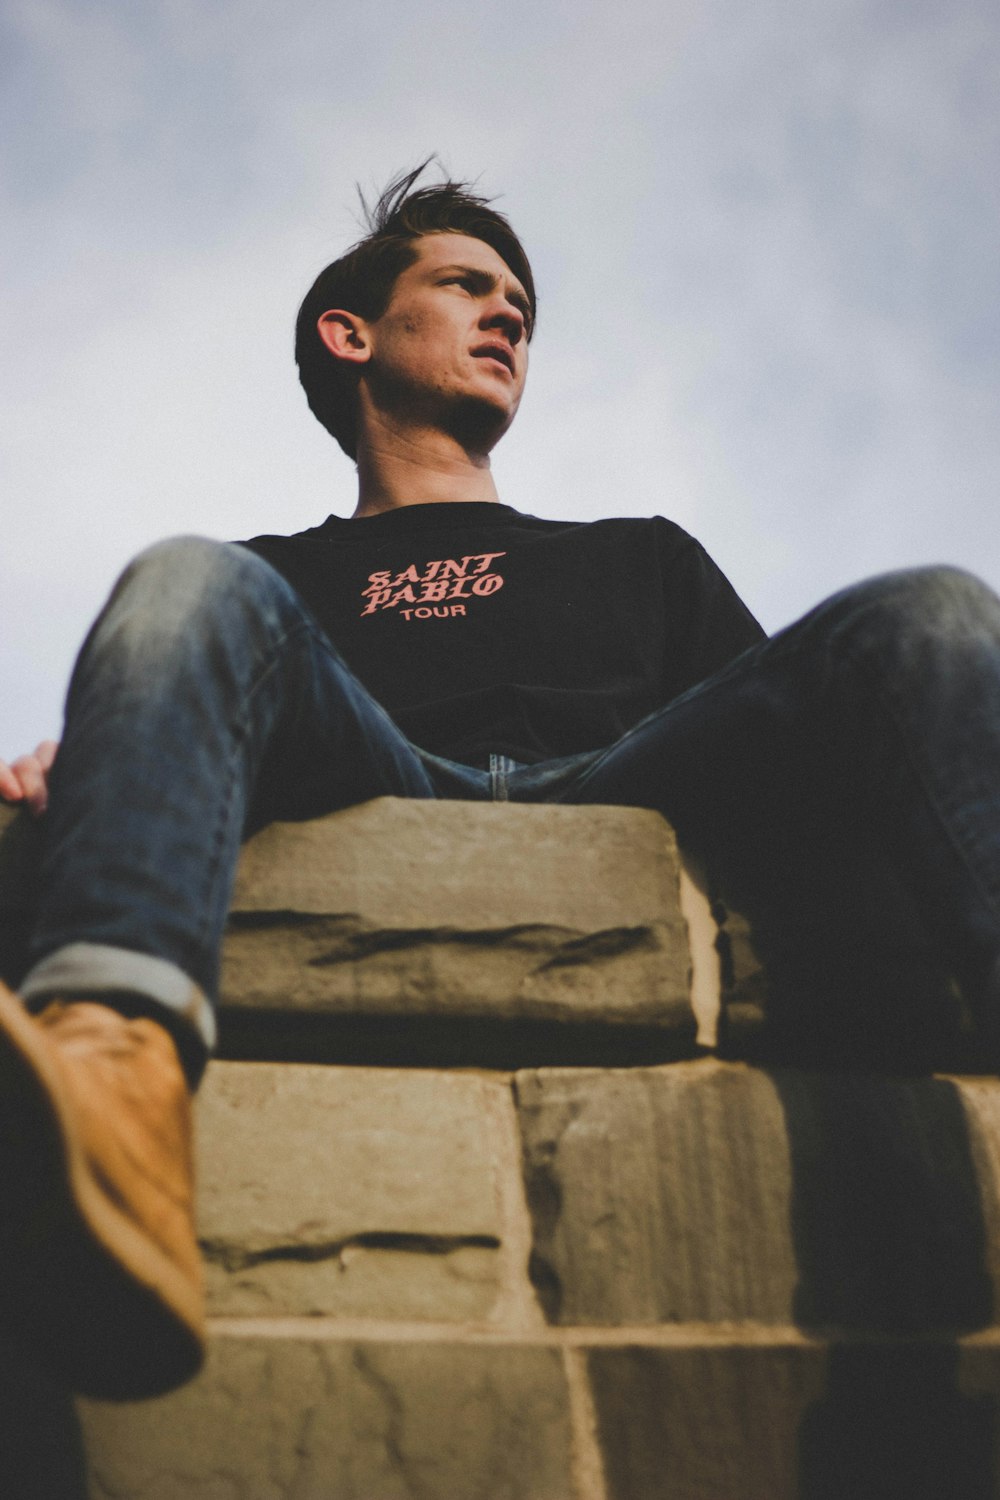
column 184, row 575
column 943, row 595
column 937, row 608
column 180, row 594
column 184, row 567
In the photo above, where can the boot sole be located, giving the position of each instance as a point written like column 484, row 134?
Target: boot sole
column 83, row 1290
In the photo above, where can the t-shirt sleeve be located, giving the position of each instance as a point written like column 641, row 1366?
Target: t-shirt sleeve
column 706, row 623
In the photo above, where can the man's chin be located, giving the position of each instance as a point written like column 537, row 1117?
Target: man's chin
column 479, row 424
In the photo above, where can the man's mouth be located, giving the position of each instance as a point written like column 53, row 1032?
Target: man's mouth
column 500, row 352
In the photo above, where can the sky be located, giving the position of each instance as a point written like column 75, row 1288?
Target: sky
column 766, row 240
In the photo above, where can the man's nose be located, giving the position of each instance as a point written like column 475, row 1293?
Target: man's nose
column 507, row 316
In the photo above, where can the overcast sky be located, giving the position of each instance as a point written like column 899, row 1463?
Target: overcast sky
column 766, row 238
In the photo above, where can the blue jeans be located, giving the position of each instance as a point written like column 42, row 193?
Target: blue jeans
column 840, row 782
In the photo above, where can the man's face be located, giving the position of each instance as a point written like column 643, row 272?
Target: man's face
column 451, row 350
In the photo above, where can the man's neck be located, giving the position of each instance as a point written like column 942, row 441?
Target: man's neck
column 396, row 469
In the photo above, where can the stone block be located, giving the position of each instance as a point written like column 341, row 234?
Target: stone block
column 411, row 916
column 766, row 1422
column 717, row 1192
column 449, row 909
column 286, row 1419
column 355, row 1191
column 579, row 867
column 703, row 1423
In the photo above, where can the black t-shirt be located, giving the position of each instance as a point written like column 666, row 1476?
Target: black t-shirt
column 481, row 629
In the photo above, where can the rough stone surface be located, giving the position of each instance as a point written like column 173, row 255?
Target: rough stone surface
column 703, row 1423
column 849, row 1422
column 356, row 1191
column 457, row 908
column 274, row 1419
column 408, row 908
column 712, row 1191
column 589, row 867
column 451, row 933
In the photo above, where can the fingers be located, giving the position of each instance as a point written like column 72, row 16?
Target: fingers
column 10, row 787
column 30, row 777
column 26, row 779
column 45, row 754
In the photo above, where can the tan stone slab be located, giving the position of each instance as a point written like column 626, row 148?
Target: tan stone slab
column 712, row 1191
column 493, row 864
column 400, row 912
column 411, row 909
column 357, row 1191
column 275, row 1419
column 417, row 908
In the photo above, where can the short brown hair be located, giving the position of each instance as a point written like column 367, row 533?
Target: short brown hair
column 362, row 280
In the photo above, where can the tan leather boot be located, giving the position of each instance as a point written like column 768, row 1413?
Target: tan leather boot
column 100, row 1277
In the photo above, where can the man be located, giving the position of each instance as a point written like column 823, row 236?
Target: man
column 840, row 782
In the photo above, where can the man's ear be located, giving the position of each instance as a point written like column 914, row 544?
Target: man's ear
column 345, row 335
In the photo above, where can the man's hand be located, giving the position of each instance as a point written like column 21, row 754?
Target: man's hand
column 27, row 778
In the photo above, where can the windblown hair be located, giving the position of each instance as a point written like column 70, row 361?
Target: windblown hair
column 361, row 281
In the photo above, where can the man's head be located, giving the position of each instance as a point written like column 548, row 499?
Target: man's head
column 363, row 281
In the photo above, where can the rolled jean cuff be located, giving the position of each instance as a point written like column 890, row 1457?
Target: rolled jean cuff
column 135, row 983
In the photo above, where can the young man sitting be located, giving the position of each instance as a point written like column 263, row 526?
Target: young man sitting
column 841, row 782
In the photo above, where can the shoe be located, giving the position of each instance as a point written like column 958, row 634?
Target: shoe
column 100, row 1276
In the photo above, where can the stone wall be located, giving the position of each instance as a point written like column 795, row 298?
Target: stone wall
column 484, row 1219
